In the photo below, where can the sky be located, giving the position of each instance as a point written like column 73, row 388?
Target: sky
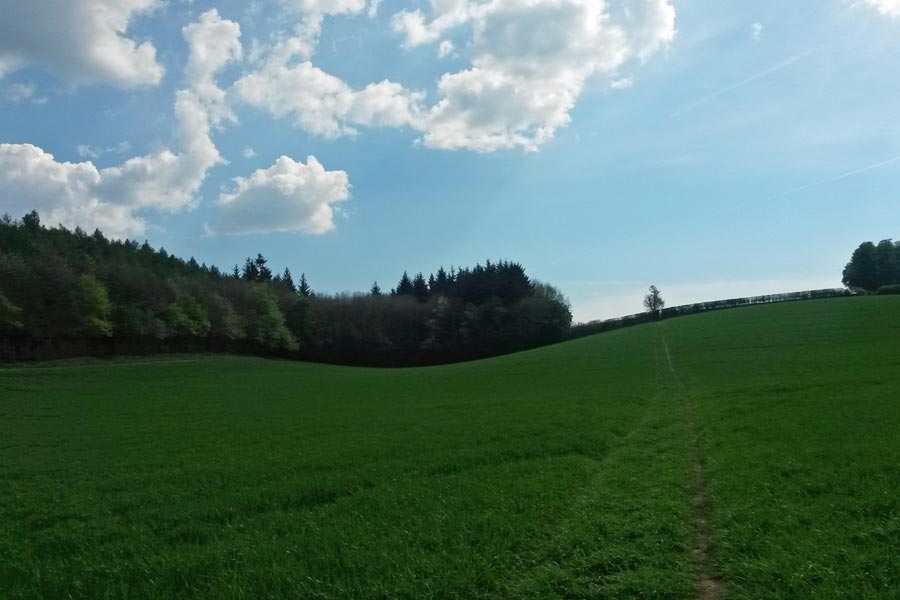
column 714, row 149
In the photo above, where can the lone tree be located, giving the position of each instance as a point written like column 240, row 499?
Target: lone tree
column 653, row 302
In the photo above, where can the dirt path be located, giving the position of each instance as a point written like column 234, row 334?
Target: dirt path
column 710, row 587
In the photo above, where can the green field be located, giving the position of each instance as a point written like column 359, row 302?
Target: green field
column 750, row 453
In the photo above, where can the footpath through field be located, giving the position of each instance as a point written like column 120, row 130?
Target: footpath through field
column 711, row 586
column 641, row 526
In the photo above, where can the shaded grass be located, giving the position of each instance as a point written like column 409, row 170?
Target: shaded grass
column 564, row 472
column 248, row 478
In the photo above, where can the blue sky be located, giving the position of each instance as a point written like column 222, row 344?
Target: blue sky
column 714, row 149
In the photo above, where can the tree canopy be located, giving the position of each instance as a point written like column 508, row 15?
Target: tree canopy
column 69, row 289
column 653, row 301
column 873, row 266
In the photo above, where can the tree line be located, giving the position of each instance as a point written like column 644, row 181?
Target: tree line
column 655, row 309
column 874, row 267
column 69, row 293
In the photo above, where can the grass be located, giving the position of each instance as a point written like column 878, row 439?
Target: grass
column 564, row 472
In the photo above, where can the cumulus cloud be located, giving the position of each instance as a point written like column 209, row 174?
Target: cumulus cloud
column 324, row 104
column 114, row 198
column 289, row 196
column 304, row 37
column 286, row 84
column 214, row 42
column 418, row 30
column 445, row 48
column 83, row 41
column 530, row 60
column 167, row 179
column 31, row 179
column 885, row 7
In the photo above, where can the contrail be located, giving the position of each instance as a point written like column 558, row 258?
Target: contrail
column 738, row 207
column 773, row 69
column 788, row 192
column 845, row 175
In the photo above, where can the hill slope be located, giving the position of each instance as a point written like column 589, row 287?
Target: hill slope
column 752, row 451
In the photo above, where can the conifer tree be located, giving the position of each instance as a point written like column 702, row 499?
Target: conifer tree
column 251, row 272
column 264, row 273
column 405, row 287
column 287, row 279
column 303, row 287
column 420, row 288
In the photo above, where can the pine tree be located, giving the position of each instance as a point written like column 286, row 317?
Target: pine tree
column 251, row 272
column 264, row 273
column 405, row 287
column 287, row 280
column 420, row 288
column 303, row 287
column 376, row 290
column 441, row 282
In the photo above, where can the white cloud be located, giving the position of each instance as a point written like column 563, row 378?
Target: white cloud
column 114, row 198
column 323, row 104
column 445, row 48
column 530, row 61
column 373, row 8
column 622, row 83
column 165, row 179
column 756, row 31
column 289, row 196
column 19, row 92
column 487, row 109
column 82, row 41
column 417, row 30
column 885, row 7
column 66, row 193
column 326, row 7
column 214, row 42
column 305, row 35
column 287, row 84
column 248, row 152
column 86, row 151
column 95, row 152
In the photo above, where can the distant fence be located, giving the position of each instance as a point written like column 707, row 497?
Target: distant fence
column 585, row 329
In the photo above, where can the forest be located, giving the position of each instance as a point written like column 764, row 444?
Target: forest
column 69, row 293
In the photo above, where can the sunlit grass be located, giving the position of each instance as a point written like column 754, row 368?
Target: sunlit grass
column 562, row 472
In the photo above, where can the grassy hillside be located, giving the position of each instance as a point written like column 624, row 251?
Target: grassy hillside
column 753, row 452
